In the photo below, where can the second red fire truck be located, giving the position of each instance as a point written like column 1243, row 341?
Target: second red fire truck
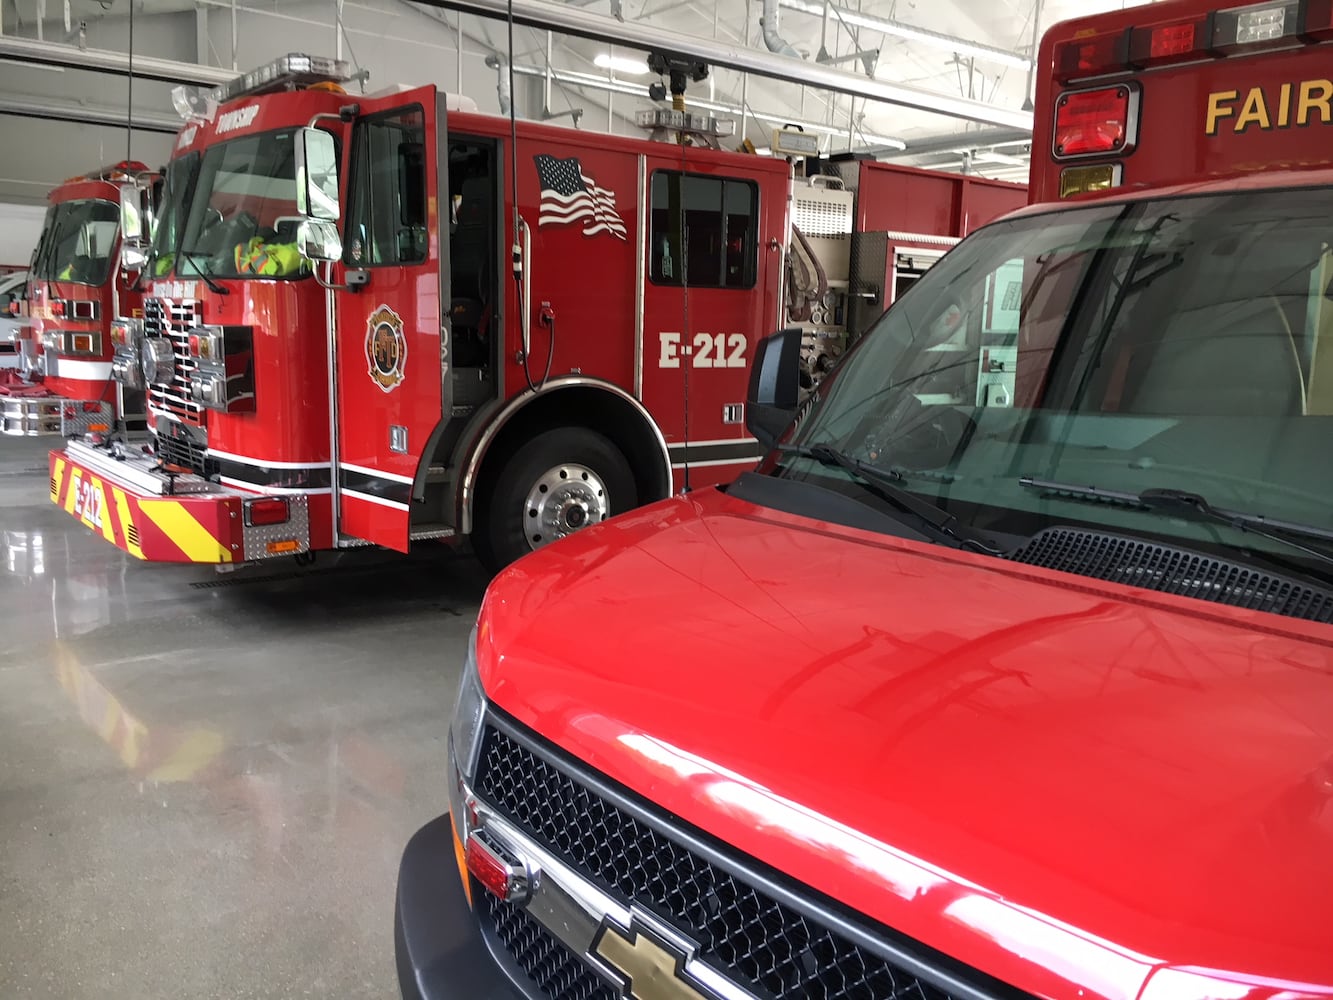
column 77, row 288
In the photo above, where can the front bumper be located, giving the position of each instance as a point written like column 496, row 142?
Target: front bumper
column 440, row 951
column 158, row 516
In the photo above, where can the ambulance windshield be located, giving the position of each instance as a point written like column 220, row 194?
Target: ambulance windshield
column 77, row 241
column 1182, row 344
column 242, row 219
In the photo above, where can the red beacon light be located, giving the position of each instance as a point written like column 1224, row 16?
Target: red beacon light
column 501, row 879
column 1096, row 122
column 269, row 510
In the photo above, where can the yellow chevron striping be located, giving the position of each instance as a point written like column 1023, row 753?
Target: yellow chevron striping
column 126, row 523
column 57, row 480
column 188, row 534
column 72, row 493
column 104, row 515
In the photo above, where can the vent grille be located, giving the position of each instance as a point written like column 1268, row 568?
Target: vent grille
column 176, row 448
column 173, row 320
column 132, row 534
column 1171, row 570
column 744, row 931
column 828, row 215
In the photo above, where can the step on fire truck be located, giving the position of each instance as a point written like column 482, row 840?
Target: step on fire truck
column 1008, row 672
column 77, row 289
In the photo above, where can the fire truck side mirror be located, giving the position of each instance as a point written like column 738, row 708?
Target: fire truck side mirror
column 316, row 175
column 317, row 239
column 775, row 386
column 133, row 232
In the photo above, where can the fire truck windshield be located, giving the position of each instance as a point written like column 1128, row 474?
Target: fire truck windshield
column 171, row 216
column 1182, row 344
column 241, row 219
column 77, row 240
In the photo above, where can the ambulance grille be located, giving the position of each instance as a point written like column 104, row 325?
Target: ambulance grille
column 173, row 320
column 776, row 939
column 1170, row 570
column 555, row 970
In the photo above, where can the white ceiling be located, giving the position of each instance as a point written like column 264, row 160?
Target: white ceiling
column 926, row 63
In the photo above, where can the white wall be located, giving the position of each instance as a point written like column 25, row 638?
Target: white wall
column 396, row 42
column 20, row 225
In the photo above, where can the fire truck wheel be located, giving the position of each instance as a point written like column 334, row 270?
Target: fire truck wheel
column 560, row 481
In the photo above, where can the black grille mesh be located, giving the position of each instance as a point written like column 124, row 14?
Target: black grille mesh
column 1164, row 568
column 742, row 931
column 551, row 966
column 184, row 453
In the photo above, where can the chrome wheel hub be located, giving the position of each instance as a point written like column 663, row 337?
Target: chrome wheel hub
column 563, row 500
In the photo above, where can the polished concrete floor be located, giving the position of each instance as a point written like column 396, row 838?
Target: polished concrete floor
column 206, row 780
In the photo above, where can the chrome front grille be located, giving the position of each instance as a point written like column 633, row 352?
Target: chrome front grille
column 172, row 320
column 769, row 946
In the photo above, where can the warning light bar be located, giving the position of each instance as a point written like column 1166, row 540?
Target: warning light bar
column 685, row 121
column 288, row 72
column 1096, row 122
column 1253, row 27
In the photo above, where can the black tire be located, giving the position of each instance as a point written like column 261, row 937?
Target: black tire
column 508, row 527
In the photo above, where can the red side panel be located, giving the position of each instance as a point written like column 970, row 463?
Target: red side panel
column 907, row 200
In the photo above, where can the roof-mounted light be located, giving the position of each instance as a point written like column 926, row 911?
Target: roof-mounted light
column 670, row 120
column 289, row 72
column 194, row 104
column 1256, row 26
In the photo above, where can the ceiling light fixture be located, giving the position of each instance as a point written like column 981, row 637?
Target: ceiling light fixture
column 621, row 64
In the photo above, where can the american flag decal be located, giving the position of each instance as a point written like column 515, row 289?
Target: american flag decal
column 568, row 195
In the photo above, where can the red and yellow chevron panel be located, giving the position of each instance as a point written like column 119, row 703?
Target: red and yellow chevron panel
column 192, row 529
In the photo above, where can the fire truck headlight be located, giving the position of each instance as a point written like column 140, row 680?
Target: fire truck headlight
column 465, row 731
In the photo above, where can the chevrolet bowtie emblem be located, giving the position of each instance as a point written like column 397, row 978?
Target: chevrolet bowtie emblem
column 646, row 965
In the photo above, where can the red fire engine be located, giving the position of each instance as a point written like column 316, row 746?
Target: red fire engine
column 413, row 388
column 77, row 288
column 1008, row 672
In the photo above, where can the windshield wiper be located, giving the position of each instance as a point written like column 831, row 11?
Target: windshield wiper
column 191, row 256
column 1194, row 506
column 882, row 483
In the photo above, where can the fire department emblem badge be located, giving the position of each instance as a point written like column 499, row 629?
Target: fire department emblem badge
column 386, row 348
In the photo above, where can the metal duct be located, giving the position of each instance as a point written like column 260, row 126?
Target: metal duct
column 500, row 64
column 88, row 115
column 544, row 15
column 104, row 61
column 768, row 23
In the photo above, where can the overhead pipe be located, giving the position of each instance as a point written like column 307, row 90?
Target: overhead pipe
column 500, row 64
column 63, row 111
column 888, row 26
column 958, row 142
column 562, row 17
column 768, row 23
column 104, row 61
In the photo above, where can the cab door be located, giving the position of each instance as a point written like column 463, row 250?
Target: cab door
column 390, row 336
column 705, row 306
